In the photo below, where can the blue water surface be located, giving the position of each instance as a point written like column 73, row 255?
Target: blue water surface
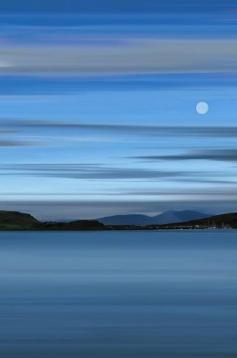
column 118, row 294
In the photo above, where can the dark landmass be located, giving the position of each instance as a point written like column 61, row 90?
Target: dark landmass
column 73, row 225
column 11, row 220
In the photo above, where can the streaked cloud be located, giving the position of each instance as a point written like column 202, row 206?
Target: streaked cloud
column 16, row 143
column 171, row 131
column 138, row 56
column 80, row 171
column 225, row 155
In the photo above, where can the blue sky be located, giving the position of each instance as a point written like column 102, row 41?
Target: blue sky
column 98, row 107
column 106, row 6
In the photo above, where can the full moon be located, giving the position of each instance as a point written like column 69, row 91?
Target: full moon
column 202, row 107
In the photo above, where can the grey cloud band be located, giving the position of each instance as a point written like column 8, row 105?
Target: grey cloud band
column 141, row 56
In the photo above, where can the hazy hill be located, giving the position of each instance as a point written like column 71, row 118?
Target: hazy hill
column 166, row 217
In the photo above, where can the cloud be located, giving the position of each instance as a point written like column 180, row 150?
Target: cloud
column 78, row 171
column 14, row 143
column 225, row 155
column 139, row 56
column 99, row 172
column 171, row 131
column 59, row 133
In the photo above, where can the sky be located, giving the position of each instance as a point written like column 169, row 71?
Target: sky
column 98, row 107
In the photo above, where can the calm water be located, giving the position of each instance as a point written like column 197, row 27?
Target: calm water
column 118, row 294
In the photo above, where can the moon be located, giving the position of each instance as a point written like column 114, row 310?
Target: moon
column 202, row 108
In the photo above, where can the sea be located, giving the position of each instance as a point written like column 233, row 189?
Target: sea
column 118, row 294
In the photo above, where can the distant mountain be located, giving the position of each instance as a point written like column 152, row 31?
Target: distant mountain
column 228, row 220
column 166, row 217
column 173, row 216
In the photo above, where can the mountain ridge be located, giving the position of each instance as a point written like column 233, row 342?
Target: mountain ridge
column 169, row 216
